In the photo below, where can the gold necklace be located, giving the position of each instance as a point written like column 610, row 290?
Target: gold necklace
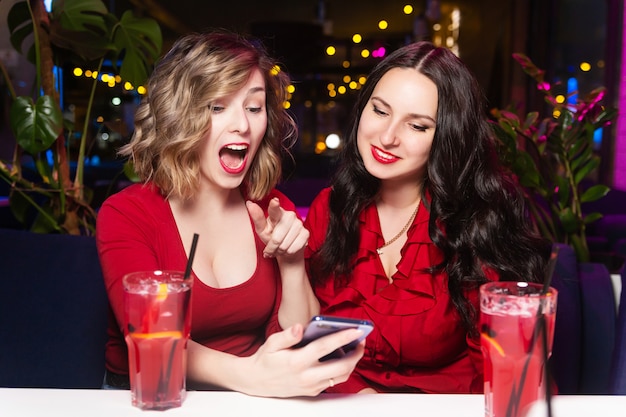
column 404, row 229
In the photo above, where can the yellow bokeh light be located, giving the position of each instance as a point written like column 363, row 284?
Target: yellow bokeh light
column 332, row 93
column 128, row 86
column 362, row 79
column 408, row 9
column 94, row 75
column 330, row 51
column 356, row 38
column 105, row 78
column 99, row 119
column 382, row 25
column 275, row 70
column 560, row 98
column 78, row 72
column 330, row 86
column 342, row 89
column 141, row 90
column 88, row 73
column 436, row 27
column 585, row 66
column 111, row 82
column 320, row 147
column 353, row 85
column 347, row 79
column 118, row 79
column 286, row 104
column 291, row 88
column 556, row 114
column 365, row 53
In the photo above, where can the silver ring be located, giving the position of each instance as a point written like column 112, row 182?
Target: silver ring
column 331, row 383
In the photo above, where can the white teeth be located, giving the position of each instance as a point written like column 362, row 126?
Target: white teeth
column 237, row 147
column 383, row 155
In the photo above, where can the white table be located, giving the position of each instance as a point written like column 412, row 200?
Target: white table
column 20, row 402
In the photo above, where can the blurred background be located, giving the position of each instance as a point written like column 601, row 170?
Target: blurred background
column 328, row 46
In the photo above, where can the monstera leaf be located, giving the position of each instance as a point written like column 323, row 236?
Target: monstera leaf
column 79, row 33
column 36, row 125
column 138, row 41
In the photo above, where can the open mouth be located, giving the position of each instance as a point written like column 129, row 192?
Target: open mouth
column 233, row 157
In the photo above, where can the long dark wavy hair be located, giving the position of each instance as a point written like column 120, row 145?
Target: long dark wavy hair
column 478, row 215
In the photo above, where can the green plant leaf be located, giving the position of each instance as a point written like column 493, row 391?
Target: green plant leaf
column 563, row 190
column 44, row 169
column 592, row 217
column 586, row 169
column 20, row 24
column 569, row 221
column 139, row 41
column 526, row 170
column 19, row 206
column 582, row 149
column 594, row 193
column 89, row 46
column 36, row 126
column 80, row 15
column 80, row 27
column 46, row 222
column 576, row 163
column 606, row 115
column 531, row 120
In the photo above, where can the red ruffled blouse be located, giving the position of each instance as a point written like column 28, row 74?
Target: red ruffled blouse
column 419, row 343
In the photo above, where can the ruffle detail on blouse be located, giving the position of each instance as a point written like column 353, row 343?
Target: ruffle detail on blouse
column 411, row 281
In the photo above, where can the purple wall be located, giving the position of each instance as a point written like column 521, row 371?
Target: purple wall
column 619, row 176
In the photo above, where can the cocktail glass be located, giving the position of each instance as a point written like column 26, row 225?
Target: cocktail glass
column 514, row 319
column 158, row 321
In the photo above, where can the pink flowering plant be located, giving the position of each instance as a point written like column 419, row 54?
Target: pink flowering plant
column 552, row 154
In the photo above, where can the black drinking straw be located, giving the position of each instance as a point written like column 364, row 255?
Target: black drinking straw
column 540, row 329
column 164, row 379
column 544, row 328
column 192, row 253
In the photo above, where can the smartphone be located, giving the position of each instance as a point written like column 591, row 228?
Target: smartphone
column 320, row 326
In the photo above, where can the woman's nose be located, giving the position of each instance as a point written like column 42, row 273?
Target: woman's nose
column 239, row 121
column 388, row 136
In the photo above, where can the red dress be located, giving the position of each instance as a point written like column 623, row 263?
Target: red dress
column 418, row 343
column 136, row 231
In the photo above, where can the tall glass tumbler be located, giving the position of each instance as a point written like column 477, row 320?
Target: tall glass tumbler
column 158, row 317
column 512, row 340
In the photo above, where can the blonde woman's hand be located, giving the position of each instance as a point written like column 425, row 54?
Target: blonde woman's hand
column 282, row 231
column 277, row 370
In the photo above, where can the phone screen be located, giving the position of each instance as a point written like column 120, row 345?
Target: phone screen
column 320, row 326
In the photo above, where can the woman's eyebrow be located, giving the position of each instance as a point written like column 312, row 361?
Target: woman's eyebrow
column 412, row 115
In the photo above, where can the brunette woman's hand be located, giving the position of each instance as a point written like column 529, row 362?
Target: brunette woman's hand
column 282, row 231
column 278, row 370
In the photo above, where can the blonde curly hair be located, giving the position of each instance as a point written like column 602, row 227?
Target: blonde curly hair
column 174, row 116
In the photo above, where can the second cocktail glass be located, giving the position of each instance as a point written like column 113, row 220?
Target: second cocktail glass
column 512, row 316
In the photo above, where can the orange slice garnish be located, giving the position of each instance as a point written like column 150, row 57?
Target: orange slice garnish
column 494, row 343
column 162, row 292
column 170, row 333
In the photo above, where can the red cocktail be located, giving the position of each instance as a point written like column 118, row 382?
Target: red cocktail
column 158, row 318
column 511, row 318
